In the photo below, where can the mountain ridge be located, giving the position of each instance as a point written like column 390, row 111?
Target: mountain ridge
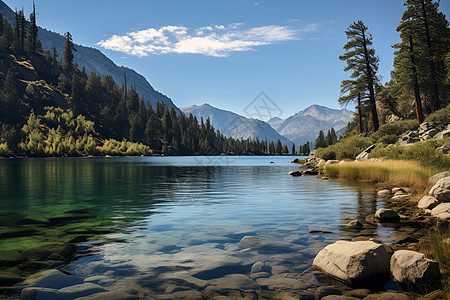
column 235, row 125
column 306, row 124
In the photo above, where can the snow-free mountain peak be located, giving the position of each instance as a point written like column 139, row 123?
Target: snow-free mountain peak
column 306, row 124
column 234, row 125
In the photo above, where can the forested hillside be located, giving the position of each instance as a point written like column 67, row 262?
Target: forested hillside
column 51, row 108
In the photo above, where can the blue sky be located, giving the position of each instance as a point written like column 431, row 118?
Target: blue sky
column 226, row 52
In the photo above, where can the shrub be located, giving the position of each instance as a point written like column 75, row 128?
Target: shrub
column 423, row 152
column 328, row 154
column 388, row 133
column 440, row 117
column 346, row 148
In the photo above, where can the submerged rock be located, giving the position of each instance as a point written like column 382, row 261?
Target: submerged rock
column 9, row 278
column 353, row 262
column 39, row 293
column 114, row 295
column 265, row 244
column 80, row 290
column 413, row 267
column 43, row 252
column 17, row 232
column 11, row 258
column 261, row 266
column 52, row 279
column 235, row 282
column 324, row 291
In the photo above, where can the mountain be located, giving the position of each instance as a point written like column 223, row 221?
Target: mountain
column 234, row 125
column 306, row 124
column 94, row 60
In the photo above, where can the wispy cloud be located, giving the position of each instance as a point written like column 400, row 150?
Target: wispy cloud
column 213, row 40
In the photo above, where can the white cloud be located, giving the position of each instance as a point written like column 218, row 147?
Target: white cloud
column 214, row 40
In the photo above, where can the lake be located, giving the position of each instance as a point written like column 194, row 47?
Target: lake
column 162, row 225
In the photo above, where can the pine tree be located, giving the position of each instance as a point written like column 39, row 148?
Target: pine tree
column 32, row 37
column 333, row 136
column 361, row 60
column 68, row 53
column 419, row 62
column 293, row 149
column 320, row 141
column 278, row 147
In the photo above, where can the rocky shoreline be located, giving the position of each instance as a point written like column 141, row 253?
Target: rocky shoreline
column 365, row 261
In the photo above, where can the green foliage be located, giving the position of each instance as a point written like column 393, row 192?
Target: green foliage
column 423, row 152
column 345, row 148
column 388, row 133
column 362, row 61
column 440, row 117
column 440, row 246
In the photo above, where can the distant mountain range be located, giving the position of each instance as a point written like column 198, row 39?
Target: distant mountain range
column 306, row 124
column 234, row 125
column 302, row 127
column 94, row 60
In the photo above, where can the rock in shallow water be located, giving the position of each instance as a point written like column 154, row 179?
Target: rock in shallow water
column 387, row 215
column 52, row 279
column 80, row 290
column 413, row 267
column 353, row 262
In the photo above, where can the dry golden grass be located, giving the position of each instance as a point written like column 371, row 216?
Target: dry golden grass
column 393, row 172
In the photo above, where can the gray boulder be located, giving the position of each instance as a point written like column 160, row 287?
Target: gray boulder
column 365, row 154
column 409, row 138
column 413, row 267
column 387, row 215
column 444, row 133
column 441, row 190
column 427, row 202
column 435, row 178
column 353, row 262
column 441, row 211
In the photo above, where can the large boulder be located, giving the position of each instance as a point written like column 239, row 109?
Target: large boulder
column 427, row 202
column 354, row 262
column 444, row 133
column 413, row 267
column 441, row 190
column 435, row 178
column 441, row 211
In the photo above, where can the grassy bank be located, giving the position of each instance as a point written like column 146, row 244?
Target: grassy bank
column 395, row 172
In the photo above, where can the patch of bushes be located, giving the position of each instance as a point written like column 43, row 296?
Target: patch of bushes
column 440, row 117
column 346, row 148
column 389, row 132
column 423, row 152
column 60, row 133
